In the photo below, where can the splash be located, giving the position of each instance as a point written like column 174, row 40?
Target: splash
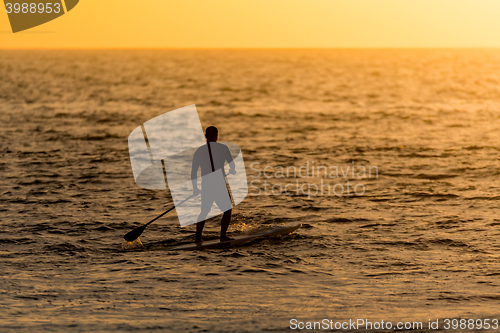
column 239, row 226
column 132, row 246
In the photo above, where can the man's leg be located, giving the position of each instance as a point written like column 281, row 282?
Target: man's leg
column 206, row 205
column 200, row 225
column 224, row 224
column 199, row 230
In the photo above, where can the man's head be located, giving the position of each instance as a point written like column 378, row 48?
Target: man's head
column 211, row 133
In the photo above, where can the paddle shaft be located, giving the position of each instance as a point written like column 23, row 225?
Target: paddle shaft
column 169, row 210
column 223, row 172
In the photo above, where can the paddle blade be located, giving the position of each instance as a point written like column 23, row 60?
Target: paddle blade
column 134, row 234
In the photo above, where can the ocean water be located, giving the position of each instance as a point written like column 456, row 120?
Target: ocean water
column 419, row 239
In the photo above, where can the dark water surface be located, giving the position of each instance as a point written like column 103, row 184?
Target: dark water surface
column 421, row 243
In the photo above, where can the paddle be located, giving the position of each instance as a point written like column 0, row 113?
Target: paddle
column 134, row 234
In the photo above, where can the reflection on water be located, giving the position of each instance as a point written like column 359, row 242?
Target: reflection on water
column 421, row 243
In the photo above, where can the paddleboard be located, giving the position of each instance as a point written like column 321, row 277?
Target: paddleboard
column 277, row 230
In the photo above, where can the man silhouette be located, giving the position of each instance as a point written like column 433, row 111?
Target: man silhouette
column 211, row 158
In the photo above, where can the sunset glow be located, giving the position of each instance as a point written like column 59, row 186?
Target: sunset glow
column 265, row 24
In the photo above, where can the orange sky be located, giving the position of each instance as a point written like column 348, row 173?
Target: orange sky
column 265, row 23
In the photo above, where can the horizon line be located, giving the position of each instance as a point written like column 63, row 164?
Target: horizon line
column 261, row 48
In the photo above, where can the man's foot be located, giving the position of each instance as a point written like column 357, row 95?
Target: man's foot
column 226, row 239
column 198, row 240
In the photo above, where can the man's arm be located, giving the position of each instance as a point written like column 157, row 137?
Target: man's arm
column 229, row 159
